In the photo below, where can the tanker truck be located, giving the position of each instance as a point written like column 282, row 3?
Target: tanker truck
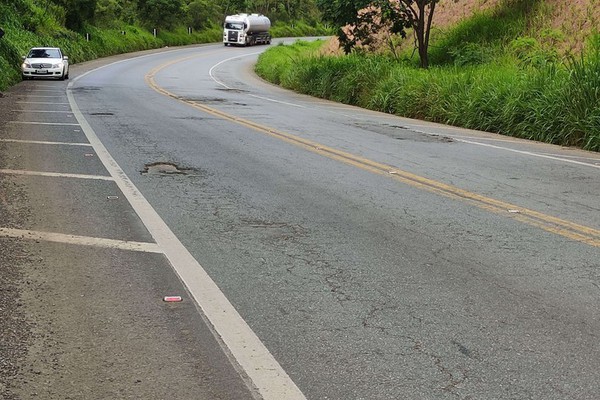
column 246, row 30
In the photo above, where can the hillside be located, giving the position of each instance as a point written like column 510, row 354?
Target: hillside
column 562, row 25
column 567, row 23
column 514, row 67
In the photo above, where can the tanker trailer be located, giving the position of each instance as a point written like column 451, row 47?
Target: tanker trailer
column 246, row 30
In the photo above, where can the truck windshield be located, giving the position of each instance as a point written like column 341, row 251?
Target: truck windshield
column 236, row 26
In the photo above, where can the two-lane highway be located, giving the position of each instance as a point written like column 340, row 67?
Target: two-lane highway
column 339, row 253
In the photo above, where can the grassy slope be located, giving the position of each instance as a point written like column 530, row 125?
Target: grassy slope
column 490, row 73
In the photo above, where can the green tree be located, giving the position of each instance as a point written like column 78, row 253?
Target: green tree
column 203, row 13
column 283, row 10
column 160, row 13
column 111, row 12
column 341, row 12
column 77, row 12
column 367, row 18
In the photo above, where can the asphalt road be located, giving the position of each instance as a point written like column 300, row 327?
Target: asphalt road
column 322, row 251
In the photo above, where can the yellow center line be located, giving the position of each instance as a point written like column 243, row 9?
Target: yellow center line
column 546, row 222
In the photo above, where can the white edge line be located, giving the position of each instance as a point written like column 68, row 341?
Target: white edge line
column 251, row 354
column 528, row 153
column 81, row 240
column 454, row 137
column 277, row 101
column 55, row 174
column 217, row 81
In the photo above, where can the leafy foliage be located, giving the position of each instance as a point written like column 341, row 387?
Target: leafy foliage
column 118, row 26
column 160, row 13
column 386, row 17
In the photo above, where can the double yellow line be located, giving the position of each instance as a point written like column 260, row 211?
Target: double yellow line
column 548, row 223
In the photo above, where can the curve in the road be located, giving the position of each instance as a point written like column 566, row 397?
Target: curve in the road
column 540, row 220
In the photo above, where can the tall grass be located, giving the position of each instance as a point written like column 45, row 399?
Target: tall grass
column 554, row 103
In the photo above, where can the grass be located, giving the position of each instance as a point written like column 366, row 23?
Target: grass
column 498, row 71
column 552, row 102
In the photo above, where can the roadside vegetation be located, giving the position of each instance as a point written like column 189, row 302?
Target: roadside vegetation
column 501, row 70
column 89, row 29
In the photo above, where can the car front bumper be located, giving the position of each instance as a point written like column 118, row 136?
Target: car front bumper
column 42, row 72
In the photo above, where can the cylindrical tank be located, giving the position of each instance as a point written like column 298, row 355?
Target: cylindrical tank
column 257, row 23
column 252, row 22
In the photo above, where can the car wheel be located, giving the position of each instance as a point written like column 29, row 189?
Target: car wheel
column 62, row 76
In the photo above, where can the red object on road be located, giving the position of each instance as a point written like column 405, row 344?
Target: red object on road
column 173, row 299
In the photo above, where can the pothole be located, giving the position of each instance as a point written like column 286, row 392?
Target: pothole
column 162, row 168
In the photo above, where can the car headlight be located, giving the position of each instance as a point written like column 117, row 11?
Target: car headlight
column 59, row 65
column 25, row 65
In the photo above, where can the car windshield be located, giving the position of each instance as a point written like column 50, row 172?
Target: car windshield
column 237, row 26
column 44, row 53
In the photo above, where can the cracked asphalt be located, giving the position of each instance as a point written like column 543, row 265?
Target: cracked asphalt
column 361, row 285
column 80, row 321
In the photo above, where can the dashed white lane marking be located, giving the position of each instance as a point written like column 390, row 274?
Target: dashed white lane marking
column 44, row 90
column 230, row 329
column 43, row 123
column 46, row 97
column 44, row 111
column 42, row 142
column 80, row 240
column 55, row 174
column 41, row 102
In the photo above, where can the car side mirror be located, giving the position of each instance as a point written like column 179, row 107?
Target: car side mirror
column 65, row 58
column 23, row 58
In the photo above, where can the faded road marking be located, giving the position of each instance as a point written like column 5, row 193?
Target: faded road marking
column 42, row 142
column 43, row 123
column 80, row 240
column 55, row 174
column 41, row 102
column 44, row 111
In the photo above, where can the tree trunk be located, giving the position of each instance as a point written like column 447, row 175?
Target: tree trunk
column 422, row 27
column 420, row 32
